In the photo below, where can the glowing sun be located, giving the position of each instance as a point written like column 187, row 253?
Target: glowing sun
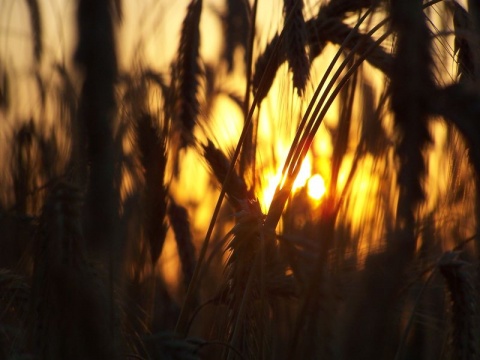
column 316, row 187
column 314, row 184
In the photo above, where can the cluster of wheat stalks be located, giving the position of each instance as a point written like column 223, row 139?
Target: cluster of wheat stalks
column 89, row 199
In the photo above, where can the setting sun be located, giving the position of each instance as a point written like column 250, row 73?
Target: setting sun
column 315, row 183
column 316, row 187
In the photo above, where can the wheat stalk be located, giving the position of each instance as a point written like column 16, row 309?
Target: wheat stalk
column 68, row 302
column 96, row 56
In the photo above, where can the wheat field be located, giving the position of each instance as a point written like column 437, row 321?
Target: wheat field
column 239, row 179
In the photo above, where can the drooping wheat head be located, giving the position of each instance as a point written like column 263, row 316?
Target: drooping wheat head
column 186, row 75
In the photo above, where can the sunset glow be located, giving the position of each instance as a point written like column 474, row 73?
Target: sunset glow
column 315, row 184
column 239, row 179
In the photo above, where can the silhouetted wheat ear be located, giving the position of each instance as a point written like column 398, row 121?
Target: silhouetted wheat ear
column 235, row 23
column 178, row 217
column 151, row 145
column 186, row 75
column 464, row 300
column 323, row 29
column 235, row 188
column 295, row 32
column 242, row 282
column 266, row 67
column 256, row 279
column 327, row 26
column 36, row 28
column 411, row 85
column 466, row 42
